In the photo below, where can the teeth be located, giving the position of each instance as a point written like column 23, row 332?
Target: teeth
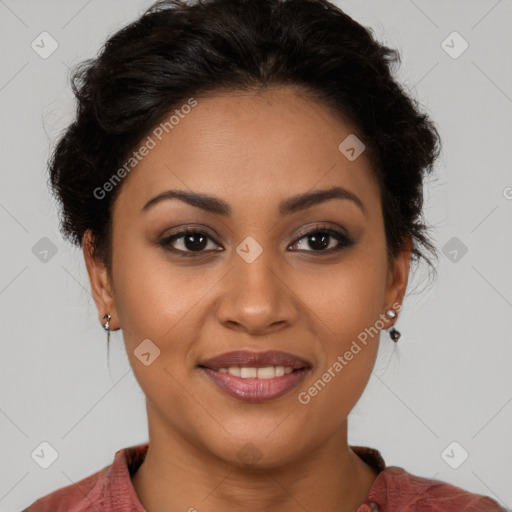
column 246, row 373
column 267, row 372
column 278, row 370
column 234, row 370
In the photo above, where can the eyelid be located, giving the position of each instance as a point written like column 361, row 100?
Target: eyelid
column 338, row 233
column 321, row 227
column 182, row 231
column 188, row 229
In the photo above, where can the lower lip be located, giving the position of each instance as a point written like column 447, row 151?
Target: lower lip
column 256, row 390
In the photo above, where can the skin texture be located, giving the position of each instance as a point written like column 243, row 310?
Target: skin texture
column 253, row 151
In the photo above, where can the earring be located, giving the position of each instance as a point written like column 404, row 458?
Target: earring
column 106, row 325
column 393, row 333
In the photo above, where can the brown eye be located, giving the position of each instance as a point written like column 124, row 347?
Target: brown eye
column 322, row 239
column 190, row 241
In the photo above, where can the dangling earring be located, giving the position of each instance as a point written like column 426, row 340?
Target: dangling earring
column 393, row 333
column 106, row 325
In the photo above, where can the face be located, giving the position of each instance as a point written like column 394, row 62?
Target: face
column 249, row 277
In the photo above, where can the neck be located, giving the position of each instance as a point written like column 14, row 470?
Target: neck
column 178, row 475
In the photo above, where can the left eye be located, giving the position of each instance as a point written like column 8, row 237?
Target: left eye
column 319, row 240
column 193, row 241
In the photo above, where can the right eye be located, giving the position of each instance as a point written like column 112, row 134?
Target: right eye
column 190, row 241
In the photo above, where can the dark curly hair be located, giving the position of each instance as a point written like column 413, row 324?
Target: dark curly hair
column 177, row 50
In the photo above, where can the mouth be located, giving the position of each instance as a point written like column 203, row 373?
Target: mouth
column 256, row 376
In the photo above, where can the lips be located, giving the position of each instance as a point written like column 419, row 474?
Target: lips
column 249, row 359
column 256, row 376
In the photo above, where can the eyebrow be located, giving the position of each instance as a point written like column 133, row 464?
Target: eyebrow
column 291, row 205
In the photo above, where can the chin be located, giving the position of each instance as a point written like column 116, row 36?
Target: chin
column 259, row 452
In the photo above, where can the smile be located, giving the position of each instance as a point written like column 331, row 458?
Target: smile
column 256, row 384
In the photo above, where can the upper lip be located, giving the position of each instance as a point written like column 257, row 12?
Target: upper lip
column 250, row 359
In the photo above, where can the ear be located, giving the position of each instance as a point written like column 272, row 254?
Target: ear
column 398, row 276
column 101, row 286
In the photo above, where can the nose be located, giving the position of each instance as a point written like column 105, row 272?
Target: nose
column 255, row 297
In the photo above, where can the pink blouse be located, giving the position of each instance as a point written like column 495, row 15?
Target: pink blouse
column 394, row 490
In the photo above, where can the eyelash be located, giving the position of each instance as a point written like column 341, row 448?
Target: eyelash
column 344, row 241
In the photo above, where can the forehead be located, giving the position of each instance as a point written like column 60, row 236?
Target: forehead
column 248, row 146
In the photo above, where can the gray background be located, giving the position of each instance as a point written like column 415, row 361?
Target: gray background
column 449, row 377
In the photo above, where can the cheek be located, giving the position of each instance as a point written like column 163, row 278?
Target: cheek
column 147, row 299
column 327, row 399
column 159, row 300
column 347, row 297
column 346, row 300
column 152, row 302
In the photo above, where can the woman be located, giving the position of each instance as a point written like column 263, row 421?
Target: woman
column 245, row 179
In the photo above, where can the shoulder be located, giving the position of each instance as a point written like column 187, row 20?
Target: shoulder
column 76, row 497
column 109, row 489
column 396, row 487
